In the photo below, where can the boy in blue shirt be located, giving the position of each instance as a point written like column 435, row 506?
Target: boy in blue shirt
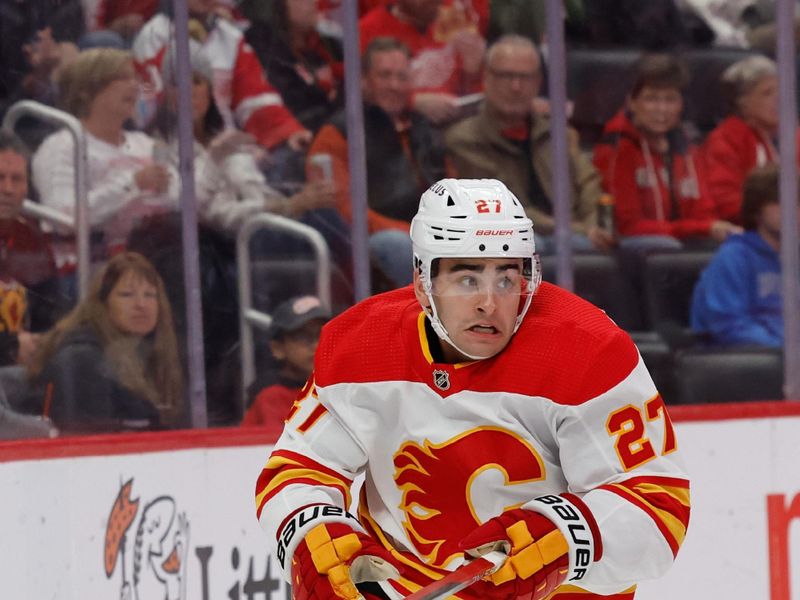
column 737, row 300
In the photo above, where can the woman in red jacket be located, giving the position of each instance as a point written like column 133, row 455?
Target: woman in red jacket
column 654, row 173
column 748, row 137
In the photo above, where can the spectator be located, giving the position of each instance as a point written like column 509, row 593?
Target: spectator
column 738, row 297
column 294, row 334
column 507, row 140
column 229, row 184
column 304, row 65
column 745, row 139
column 651, row 168
column 124, row 18
column 243, row 94
column 125, row 183
column 405, row 156
column 28, row 278
column 230, row 188
column 33, row 36
column 440, row 71
column 47, row 58
column 112, row 363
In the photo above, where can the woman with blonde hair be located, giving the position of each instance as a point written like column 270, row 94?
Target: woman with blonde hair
column 112, row 364
column 125, row 182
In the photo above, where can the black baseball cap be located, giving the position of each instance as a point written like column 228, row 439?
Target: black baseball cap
column 296, row 312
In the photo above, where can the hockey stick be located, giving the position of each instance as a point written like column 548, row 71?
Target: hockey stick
column 463, row 576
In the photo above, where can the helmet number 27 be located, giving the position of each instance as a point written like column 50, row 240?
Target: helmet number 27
column 488, row 206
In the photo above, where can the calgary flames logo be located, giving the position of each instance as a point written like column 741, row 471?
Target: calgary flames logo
column 437, row 479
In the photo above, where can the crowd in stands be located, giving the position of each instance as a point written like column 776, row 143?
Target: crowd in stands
column 451, row 88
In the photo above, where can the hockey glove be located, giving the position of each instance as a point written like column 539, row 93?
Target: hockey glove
column 540, row 557
column 332, row 558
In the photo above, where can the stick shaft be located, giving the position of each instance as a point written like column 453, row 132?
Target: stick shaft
column 462, row 577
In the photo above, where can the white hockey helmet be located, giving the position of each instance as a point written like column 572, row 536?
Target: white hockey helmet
column 473, row 218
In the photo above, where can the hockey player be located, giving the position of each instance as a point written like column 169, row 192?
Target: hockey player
column 487, row 411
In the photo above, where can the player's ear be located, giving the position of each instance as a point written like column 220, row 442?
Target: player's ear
column 419, row 290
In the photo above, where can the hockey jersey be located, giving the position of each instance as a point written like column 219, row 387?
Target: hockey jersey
column 567, row 406
column 241, row 91
column 435, row 65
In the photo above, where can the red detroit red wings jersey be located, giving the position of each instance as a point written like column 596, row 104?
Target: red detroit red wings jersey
column 567, row 406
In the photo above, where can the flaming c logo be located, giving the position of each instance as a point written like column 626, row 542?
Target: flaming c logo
column 436, row 481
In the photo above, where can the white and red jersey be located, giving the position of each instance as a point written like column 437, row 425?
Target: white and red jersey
column 244, row 97
column 568, row 406
column 435, row 64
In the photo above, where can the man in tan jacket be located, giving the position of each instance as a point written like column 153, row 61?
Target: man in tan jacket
column 506, row 140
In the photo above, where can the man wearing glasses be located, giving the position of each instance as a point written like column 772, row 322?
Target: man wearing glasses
column 486, row 411
column 510, row 140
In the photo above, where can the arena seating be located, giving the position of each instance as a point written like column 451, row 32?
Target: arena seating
column 668, row 281
column 599, row 279
column 706, row 375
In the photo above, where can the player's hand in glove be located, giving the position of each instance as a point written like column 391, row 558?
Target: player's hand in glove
column 332, row 558
column 537, row 553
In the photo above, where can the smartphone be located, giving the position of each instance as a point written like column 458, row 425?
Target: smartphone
column 323, row 162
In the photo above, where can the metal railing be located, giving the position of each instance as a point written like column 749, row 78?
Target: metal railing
column 249, row 317
column 80, row 225
column 45, row 213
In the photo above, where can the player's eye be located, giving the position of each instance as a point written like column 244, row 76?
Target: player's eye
column 468, row 282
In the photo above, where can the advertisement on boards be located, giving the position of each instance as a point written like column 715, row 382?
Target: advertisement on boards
column 152, row 517
column 171, row 525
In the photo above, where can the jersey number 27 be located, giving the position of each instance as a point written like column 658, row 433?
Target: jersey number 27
column 628, row 425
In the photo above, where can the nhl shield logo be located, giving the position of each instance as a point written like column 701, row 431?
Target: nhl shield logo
column 441, row 379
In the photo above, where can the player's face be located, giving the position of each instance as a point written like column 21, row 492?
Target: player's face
column 656, row 110
column 477, row 300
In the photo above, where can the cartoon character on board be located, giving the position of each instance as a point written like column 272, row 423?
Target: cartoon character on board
column 147, row 570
